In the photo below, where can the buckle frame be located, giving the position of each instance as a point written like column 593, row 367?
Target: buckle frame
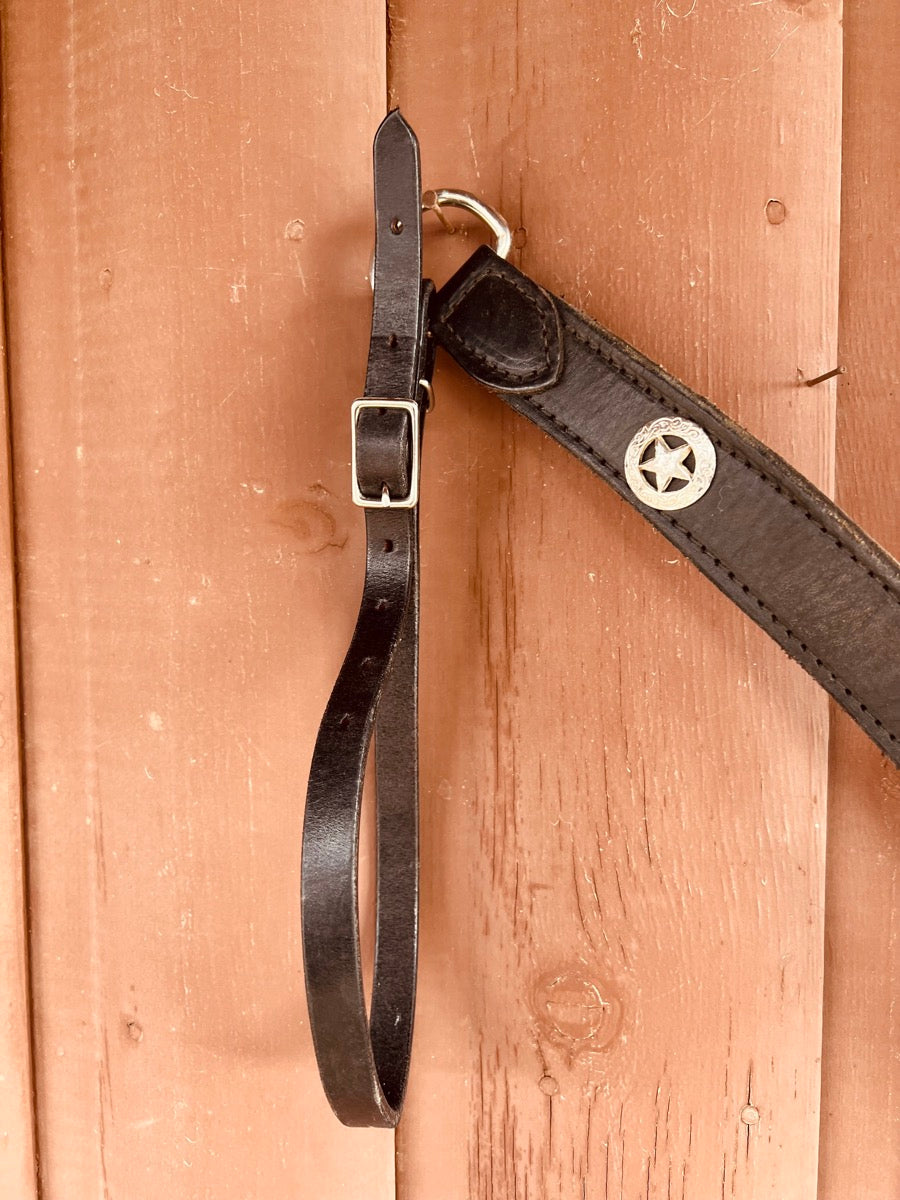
column 411, row 408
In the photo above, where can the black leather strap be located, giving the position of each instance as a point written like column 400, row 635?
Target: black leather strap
column 761, row 532
column 364, row 1060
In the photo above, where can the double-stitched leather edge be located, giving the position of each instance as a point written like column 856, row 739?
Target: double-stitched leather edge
column 529, row 357
column 768, row 538
column 364, row 1060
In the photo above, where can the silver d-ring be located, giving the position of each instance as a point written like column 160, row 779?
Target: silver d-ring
column 426, row 387
column 438, row 198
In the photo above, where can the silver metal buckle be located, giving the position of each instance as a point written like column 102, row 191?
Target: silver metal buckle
column 387, row 500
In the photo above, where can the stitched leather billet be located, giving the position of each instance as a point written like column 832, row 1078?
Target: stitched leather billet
column 775, row 544
column 364, row 1058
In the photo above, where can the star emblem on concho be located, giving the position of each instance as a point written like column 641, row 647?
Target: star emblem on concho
column 670, row 463
column 666, row 464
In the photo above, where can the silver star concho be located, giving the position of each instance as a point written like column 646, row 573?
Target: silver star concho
column 666, row 463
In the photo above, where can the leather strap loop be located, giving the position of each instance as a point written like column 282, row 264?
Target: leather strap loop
column 364, row 1058
column 761, row 532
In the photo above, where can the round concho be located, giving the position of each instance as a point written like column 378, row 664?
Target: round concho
column 670, row 463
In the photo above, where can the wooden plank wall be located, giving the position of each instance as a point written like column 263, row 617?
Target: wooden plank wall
column 18, row 1173
column 187, row 207
column 624, row 812
column 861, row 1049
column 624, row 784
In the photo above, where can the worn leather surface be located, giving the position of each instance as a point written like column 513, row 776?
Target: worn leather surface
column 364, row 1058
column 762, row 533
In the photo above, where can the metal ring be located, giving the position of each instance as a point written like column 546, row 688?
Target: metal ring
column 426, row 387
column 434, row 201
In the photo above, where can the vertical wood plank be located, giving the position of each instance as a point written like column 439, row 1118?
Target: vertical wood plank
column 624, row 782
column 188, row 228
column 861, row 1065
column 18, row 1176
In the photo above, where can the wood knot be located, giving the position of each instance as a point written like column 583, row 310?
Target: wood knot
column 135, row 1030
column 573, row 1008
column 311, row 520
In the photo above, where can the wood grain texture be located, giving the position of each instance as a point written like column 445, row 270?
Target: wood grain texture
column 18, row 1175
column 860, row 1153
column 188, row 198
column 623, row 781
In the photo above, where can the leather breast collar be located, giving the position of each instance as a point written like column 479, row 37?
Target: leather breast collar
column 773, row 543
